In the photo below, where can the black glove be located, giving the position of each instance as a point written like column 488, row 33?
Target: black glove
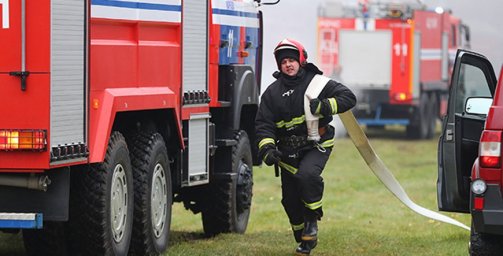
column 272, row 156
column 321, row 107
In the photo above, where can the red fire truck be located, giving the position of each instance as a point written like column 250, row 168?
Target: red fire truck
column 396, row 57
column 111, row 110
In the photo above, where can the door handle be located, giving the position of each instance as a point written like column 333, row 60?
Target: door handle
column 449, row 135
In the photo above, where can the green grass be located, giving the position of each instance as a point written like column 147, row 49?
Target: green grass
column 361, row 216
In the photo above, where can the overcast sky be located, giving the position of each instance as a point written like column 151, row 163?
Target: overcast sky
column 297, row 19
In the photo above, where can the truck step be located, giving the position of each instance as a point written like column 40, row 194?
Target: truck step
column 21, row 220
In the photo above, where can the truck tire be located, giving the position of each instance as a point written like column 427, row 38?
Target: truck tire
column 47, row 241
column 103, row 203
column 228, row 201
column 482, row 244
column 418, row 129
column 153, row 195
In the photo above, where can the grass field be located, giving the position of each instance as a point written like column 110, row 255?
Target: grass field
column 361, row 216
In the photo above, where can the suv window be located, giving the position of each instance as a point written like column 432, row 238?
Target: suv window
column 471, row 83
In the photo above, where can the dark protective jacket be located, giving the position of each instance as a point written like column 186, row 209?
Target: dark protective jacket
column 281, row 110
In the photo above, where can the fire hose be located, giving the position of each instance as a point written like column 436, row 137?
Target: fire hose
column 383, row 174
column 373, row 161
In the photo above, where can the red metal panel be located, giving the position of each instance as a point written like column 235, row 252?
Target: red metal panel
column 105, row 105
column 213, row 65
column 25, row 110
column 429, row 24
column 214, row 39
column 113, row 54
column 494, row 120
column 134, row 65
column 213, row 85
column 490, row 174
column 28, row 109
column 455, row 41
column 498, row 97
column 132, row 53
column 213, row 55
column 10, row 34
column 38, row 35
column 328, row 43
column 455, row 24
column 401, row 69
column 445, row 18
column 159, row 55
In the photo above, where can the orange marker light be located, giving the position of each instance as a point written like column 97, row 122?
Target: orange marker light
column 96, row 103
column 244, row 54
column 400, row 96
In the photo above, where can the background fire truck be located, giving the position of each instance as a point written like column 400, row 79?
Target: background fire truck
column 111, row 110
column 396, row 57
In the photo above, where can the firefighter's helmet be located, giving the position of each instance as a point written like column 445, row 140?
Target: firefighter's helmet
column 290, row 48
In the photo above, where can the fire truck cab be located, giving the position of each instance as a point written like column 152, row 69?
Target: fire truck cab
column 114, row 109
column 469, row 155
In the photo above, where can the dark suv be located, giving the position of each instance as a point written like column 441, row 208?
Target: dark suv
column 470, row 170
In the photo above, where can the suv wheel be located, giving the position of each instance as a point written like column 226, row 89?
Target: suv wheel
column 485, row 244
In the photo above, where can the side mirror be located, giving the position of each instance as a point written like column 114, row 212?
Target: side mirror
column 478, row 105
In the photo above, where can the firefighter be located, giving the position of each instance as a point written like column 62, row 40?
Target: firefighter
column 282, row 137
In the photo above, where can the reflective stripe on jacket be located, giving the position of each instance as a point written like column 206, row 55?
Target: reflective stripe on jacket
column 281, row 110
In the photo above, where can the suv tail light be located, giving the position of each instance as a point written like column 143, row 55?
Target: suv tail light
column 490, row 149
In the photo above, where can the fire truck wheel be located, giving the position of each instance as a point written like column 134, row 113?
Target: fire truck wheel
column 485, row 244
column 418, row 129
column 104, row 202
column 229, row 200
column 47, row 241
column 152, row 194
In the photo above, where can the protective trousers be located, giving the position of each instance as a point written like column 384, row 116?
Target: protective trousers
column 302, row 191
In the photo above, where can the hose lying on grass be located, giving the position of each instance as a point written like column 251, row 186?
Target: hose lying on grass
column 367, row 152
column 381, row 171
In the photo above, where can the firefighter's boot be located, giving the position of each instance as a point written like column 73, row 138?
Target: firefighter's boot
column 309, row 237
column 305, row 247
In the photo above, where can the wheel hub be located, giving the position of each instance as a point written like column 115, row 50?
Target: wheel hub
column 244, row 187
column 119, row 202
column 158, row 200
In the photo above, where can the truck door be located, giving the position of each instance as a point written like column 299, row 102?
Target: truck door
column 458, row 145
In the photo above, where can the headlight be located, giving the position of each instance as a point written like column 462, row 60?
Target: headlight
column 479, row 187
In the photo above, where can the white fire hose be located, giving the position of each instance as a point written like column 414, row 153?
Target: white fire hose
column 368, row 154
